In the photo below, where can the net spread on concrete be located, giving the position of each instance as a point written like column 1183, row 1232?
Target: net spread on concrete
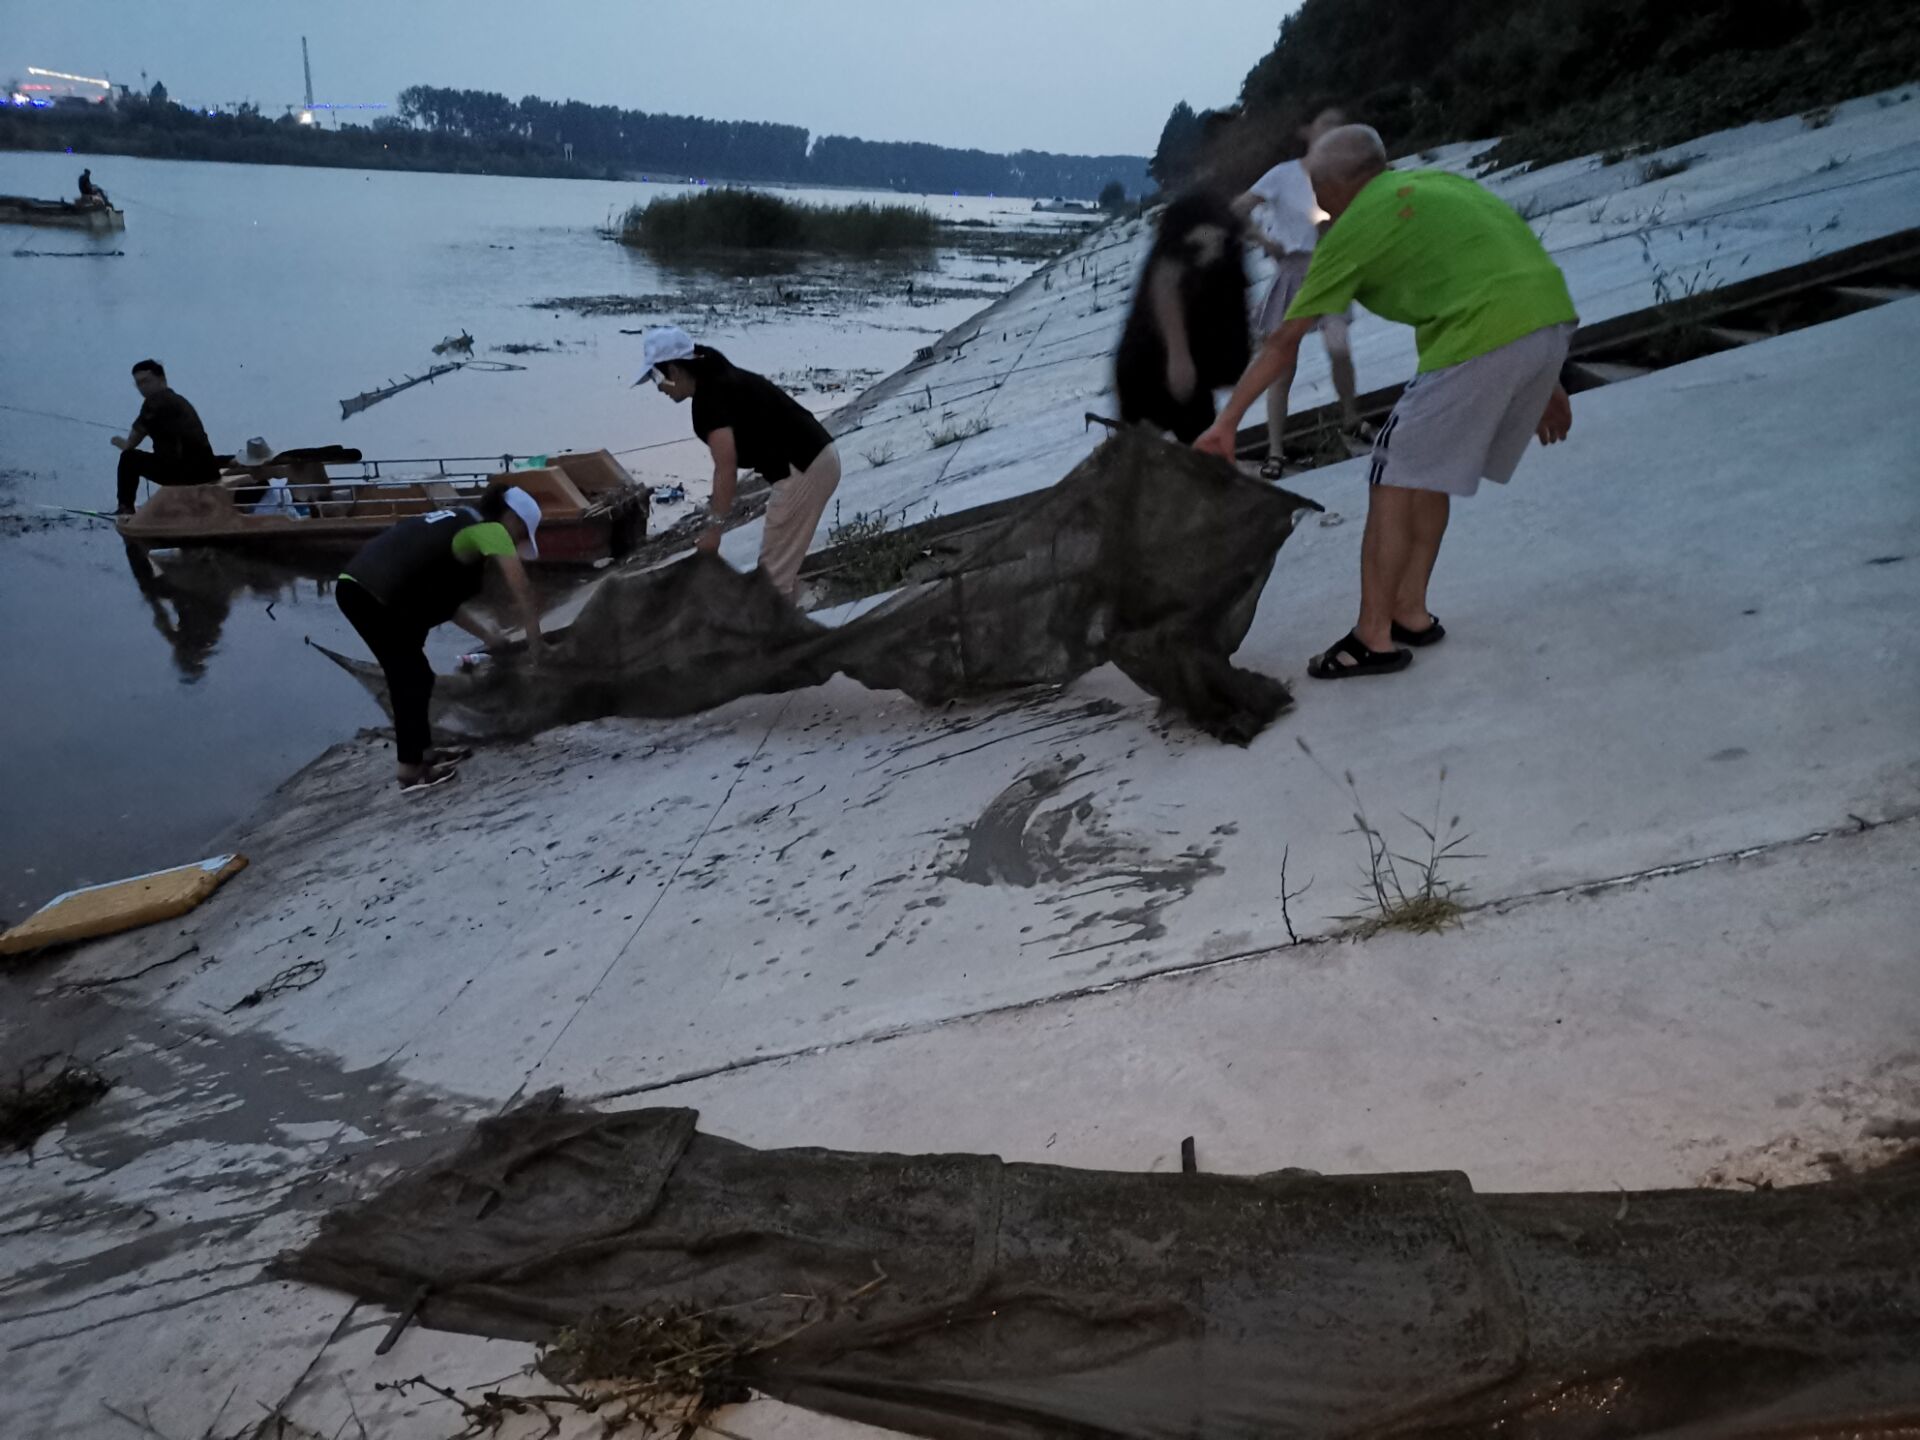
column 959, row 1297
column 1146, row 555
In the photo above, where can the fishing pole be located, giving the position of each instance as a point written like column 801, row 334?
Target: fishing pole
column 56, row 415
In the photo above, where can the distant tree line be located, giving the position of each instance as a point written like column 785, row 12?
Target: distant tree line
column 637, row 141
column 477, row 130
column 1555, row 77
column 161, row 130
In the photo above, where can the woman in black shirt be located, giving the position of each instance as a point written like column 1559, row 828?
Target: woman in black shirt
column 749, row 422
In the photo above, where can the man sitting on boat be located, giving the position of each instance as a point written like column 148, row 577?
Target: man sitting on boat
column 181, row 454
column 91, row 195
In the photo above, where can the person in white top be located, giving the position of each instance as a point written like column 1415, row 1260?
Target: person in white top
column 1285, row 221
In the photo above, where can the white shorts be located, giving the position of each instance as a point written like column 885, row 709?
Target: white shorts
column 1454, row 427
column 1280, row 296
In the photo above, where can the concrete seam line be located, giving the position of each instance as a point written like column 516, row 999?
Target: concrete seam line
column 1687, row 867
column 680, row 865
column 1239, row 957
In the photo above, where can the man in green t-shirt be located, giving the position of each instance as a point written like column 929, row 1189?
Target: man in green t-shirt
column 1492, row 320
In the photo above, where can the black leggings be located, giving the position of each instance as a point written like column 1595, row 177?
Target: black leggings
column 138, row 465
column 401, row 649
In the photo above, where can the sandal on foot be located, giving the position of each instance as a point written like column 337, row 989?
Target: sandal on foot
column 1272, row 469
column 1432, row 635
column 428, row 778
column 1358, row 660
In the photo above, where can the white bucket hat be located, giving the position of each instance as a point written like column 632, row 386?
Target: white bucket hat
column 658, row 346
column 255, row 452
column 528, row 509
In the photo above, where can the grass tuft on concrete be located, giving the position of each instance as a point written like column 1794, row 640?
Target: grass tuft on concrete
column 872, row 554
column 960, row 430
column 1665, row 169
column 1406, row 892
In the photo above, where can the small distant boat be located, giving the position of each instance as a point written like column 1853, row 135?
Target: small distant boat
column 66, row 214
column 591, row 508
column 1060, row 205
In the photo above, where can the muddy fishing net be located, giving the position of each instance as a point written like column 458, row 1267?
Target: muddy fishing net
column 960, row 1298
column 1146, row 555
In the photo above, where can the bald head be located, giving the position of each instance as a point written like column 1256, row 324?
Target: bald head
column 1341, row 162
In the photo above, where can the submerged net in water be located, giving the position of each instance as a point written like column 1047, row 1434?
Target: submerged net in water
column 1147, row 555
column 988, row 1300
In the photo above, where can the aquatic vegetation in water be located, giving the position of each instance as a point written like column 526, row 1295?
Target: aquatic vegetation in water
column 751, row 220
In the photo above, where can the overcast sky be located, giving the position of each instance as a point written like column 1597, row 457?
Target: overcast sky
column 1082, row 76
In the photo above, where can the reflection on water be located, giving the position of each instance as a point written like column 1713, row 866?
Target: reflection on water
column 155, row 699
column 190, row 594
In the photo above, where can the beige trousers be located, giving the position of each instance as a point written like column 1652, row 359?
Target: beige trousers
column 793, row 514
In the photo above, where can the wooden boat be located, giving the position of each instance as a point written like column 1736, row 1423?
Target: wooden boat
column 66, row 214
column 591, row 509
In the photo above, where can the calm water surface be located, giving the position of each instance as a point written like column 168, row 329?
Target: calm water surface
column 150, row 706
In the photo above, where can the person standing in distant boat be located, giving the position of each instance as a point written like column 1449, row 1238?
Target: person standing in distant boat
column 747, row 420
column 181, row 454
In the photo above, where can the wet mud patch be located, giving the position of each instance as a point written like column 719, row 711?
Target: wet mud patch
column 1854, row 1128
column 997, row 846
column 1074, row 850
column 204, row 1137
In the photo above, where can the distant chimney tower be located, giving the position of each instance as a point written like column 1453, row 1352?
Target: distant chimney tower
column 306, row 65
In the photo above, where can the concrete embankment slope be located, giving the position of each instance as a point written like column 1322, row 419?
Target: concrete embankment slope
column 1676, row 710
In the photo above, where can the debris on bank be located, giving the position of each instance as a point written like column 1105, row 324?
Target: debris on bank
column 29, row 1108
column 368, row 398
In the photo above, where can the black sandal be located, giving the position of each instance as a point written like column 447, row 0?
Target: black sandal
column 1432, row 635
column 1359, row 660
column 1272, row 469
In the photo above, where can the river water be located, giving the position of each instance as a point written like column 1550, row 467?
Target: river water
column 150, row 707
